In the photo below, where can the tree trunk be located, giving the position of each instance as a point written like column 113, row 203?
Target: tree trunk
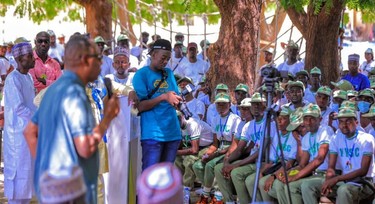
column 98, row 17
column 125, row 23
column 321, row 33
column 233, row 56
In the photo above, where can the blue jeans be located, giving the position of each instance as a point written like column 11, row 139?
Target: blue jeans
column 154, row 152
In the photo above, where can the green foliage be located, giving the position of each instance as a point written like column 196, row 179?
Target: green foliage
column 157, row 10
column 368, row 16
column 150, row 10
column 4, row 6
column 298, row 5
column 366, row 6
column 40, row 10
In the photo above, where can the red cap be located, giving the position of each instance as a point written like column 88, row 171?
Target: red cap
column 192, row 44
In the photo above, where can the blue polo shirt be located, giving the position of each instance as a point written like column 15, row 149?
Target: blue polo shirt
column 359, row 81
column 159, row 123
column 65, row 113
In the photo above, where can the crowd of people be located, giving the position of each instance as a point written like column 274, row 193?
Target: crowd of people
column 61, row 121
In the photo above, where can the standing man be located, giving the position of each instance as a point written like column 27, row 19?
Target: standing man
column 19, row 96
column 5, row 65
column 358, row 80
column 71, row 138
column 195, row 68
column 140, row 51
column 204, row 54
column 56, row 51
column 178, row 61
column 292, row 65
column 106, row 67
column 46, row 69
column 9, row 55
column 123, row 41
column 158, row 92
column 179, row 37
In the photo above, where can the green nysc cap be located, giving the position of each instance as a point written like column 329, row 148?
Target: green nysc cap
column 203, row 80
column 187, row 79
column 242, row 87
column 285, row 111
column 352, row 93
column 246, row 102
column 122, row 37
column 340, row 94
column 21, row 40
column 295, row 119
column 325, row 90
column 367, row 92
column 315, row 70
column 221, row 87
column 348, row 104
column 303, row 73
column 178, row 43
column 312, row 110
column 296, row 84
column 292, row 44
column 222, row 97
column 372, row 84
column 347, row 113
column 343, row 85
column 257, row 98
column 371, row 112
column 99, row 39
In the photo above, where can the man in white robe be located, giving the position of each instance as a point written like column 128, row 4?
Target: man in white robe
column 19, row 94
column 119, row 132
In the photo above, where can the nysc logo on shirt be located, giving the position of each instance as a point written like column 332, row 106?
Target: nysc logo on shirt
column 163, row 85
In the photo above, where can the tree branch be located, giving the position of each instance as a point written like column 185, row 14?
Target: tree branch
column 299, row 19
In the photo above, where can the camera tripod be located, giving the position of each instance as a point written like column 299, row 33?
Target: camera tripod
column 265, row 141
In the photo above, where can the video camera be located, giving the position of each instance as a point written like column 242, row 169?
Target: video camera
column 270, row 75
column 182, row 105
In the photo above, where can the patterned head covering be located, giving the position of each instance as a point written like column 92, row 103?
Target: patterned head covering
column 121, row 51
column 22, row 49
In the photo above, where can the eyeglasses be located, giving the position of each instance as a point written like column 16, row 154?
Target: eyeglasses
column 40, row 41
column 97, row 56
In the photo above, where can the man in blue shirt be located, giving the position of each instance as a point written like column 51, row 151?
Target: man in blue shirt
column 62, row 134
column 358, row 80
column 160, row 129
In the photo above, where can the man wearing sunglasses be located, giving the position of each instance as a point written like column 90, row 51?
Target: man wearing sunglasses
column 46, row 70
column 63, row 134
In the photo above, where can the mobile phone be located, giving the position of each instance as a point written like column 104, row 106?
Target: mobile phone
column 108, row 86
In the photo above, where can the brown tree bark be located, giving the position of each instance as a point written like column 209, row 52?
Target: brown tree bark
column 233, row 56
column 125, row 23
column 321, row 33
column 98, row 17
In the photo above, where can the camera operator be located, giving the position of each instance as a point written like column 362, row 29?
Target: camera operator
column 159, row 97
